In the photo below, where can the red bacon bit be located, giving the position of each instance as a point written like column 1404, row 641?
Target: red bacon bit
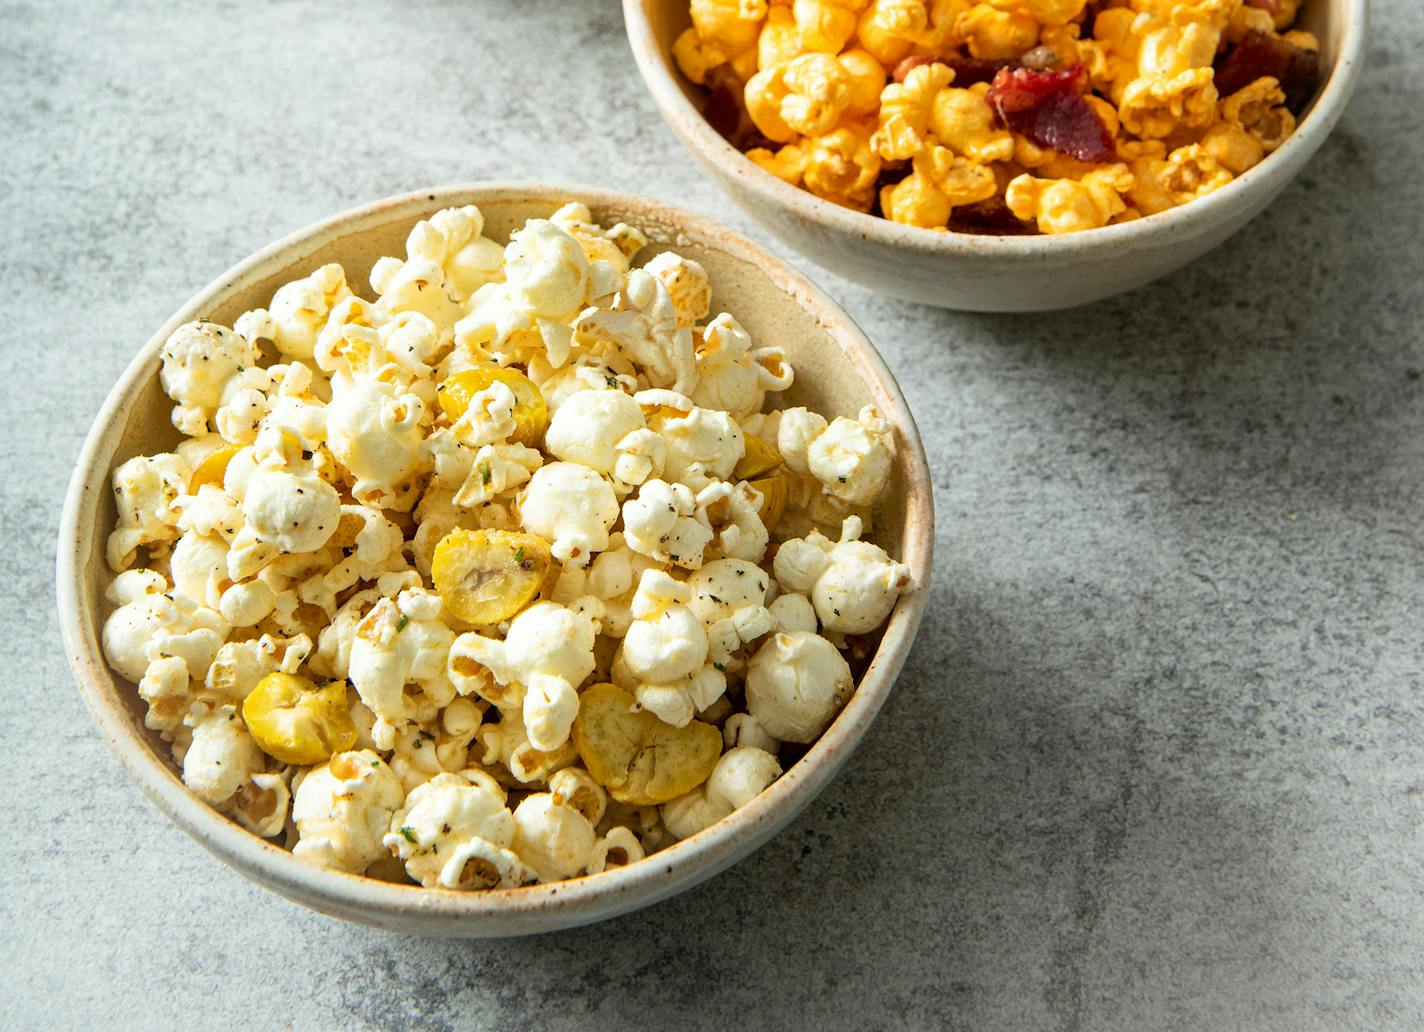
column 726, row 112
column 1258, row 54
column 1049, row 109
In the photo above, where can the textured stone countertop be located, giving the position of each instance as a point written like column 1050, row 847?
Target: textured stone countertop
column 1157, row 759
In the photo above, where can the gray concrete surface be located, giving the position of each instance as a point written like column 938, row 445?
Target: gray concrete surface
column 1157, row 761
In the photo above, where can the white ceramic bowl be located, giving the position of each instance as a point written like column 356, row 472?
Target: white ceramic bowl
column 838, row 371
column 995, row 273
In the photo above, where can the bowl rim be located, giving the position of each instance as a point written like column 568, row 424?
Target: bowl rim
column 366, row 899
column 696, row 133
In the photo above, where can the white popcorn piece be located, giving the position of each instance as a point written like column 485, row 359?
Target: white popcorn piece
column 222, row 755
column 687, row 285
column 402, row 643
column 549, row 651
column 734, row 376
column 262, row 804
column 642, row 326
column 661, row 522
column 795, row 431
column 198, row 566
column 665, row 652
column 572, row 507
column 553, row 838
column 796, row 684
column 297, row 312
column 619, row 848
column 729, row 597
column 744, row 729
column 454, row 832
column 146, row 492
column 852, row 457
column 506, row 744
column 148, row 625
column 741, row 774
column 589, row 428
column 198, row 360
column 374, row 430
column 343, row 811
column 733, row 513
column 853, row 584
column 573, row 786
column 703, row 445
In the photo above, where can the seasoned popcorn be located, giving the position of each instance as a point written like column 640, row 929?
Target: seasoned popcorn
column 519, row 571
column 1001, row 116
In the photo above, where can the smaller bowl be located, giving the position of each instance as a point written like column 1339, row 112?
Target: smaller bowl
column 979, row 273
column 838, row 371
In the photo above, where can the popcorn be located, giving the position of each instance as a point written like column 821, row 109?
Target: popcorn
column 198, row 360
column 573, row 451
column 397, row 644
column 796, row 684
column 343, row 811
column 221, row 757
column 732, row 375
column 553, row 838
column 146, row 492
column 549, row 651
column 454, row 832
column 296, row 313
column 571, row 506
column 1160, row 183
column 1023, row 75
column 852, row 584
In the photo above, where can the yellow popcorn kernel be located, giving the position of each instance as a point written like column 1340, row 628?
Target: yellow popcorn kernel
column 1166, row 51
column 1286, row 11
column 638, row 758
column 788, row 163
column 806, row 96
column 963, row 120
column 1031, row 155
column 867, row 80
column 1126, row 215
column 1061, row 166
column 780, row 39
column 1065, row 42
column 1106, row 112
column 991, row 33
column 1155, row 106
column 889, row 28
column 1246, row 20
column 1045, row 12
column 531, row 414
column 731, row 25
column 212, row 469
column 485, row 576
column 1184, row 175
column 905, row 110
column 1301, row 38
column 826, row 25
column 1067, row 205
column 841, row 167
column 1259, row 108
column 939, row 182
column 1234, row 148
column 294, row 721
column 1113, row 34
column 744, row 65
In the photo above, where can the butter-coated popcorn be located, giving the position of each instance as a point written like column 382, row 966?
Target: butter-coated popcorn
column 1159, row 183
column 857, row 101
column 507, row 527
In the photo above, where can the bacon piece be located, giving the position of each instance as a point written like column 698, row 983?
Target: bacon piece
column 726, row 112
column 1049, row 109
column 990, row 218
column 1258, row 54
column 967, row 70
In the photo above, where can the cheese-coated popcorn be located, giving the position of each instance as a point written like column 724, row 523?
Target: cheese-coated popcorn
column 906, row 108
column 852, row 457
column 572, row 507
column 805, row 96
column 995, row 34
column 1185, row 174
column 732, row 24
column 577, row 454
column 198, row 359
column 964, row 122
column 826, row 25
column 1067, row 205
column 796, row 684
column 889, row 28
column 940, row 181
column 852, row 584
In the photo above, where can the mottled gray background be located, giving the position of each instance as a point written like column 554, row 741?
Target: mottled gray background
column 1156, row 760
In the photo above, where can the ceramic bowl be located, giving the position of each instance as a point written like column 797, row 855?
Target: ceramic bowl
column 994, row 273
column 838, row 371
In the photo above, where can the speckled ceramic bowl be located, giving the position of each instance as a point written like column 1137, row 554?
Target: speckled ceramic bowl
column 995, row 273
column 838, row 371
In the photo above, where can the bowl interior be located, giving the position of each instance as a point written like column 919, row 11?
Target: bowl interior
column 837, row 373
